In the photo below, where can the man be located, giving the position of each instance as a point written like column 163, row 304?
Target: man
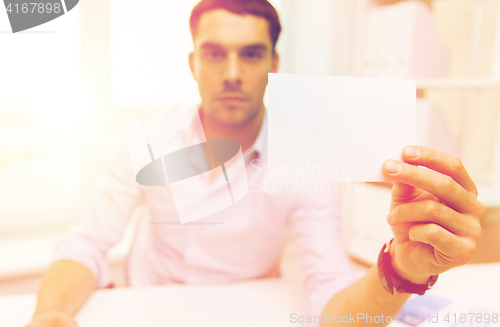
column 434, row 215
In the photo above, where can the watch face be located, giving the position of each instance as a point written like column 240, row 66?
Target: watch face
column 382, row 272
column 384, row 282
column 433, row 281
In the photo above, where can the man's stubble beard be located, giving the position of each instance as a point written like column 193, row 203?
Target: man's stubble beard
column 224, row 119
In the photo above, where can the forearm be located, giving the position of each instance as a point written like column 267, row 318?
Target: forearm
column 65, row 287
column 365, row 297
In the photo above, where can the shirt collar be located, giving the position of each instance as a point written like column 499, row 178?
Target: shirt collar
column 192, row 127
column 258, row 150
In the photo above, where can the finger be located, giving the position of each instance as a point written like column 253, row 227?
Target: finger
column 403, row 191
column 442, row 186
column 429, row 211
column 441, row 162
column 455, row 249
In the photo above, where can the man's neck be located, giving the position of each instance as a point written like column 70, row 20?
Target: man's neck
column 245, row 134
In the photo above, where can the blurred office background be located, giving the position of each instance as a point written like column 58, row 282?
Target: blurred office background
column 69, row 89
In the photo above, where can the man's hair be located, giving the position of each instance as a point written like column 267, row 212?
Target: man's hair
column 260, row 8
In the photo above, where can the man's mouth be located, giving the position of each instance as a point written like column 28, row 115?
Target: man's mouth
column 232, row 100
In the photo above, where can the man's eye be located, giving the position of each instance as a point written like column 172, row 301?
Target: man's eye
column 214, row 55
column 251, row 55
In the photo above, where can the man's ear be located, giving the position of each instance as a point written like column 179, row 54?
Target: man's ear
column 191, row 64
column 275, row 63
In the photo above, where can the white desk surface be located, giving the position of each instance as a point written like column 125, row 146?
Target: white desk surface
column 267, row 302
column 470, row 282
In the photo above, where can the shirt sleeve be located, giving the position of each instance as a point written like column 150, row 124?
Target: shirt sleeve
column 326, row 269
column 104, row 221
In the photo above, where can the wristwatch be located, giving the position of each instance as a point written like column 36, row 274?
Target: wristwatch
column 390, row 278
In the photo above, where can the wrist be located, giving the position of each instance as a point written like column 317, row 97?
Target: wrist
column 412, row 278
column 403, row 282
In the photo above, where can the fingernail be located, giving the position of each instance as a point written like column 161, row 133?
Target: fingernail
column 393, row 167
column 412, row 152
column 389, row 218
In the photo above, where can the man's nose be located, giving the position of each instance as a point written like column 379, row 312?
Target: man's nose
column 232, row 78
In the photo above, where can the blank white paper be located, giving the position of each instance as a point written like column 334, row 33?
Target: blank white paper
column 329, row 128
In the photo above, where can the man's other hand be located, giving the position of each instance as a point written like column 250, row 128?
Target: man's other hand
column 52, row 319
column 435, row 215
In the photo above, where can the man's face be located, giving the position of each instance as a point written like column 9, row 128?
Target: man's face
column 232, row 56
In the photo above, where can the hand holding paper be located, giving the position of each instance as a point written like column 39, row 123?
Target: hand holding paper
column 327, row 128
column 435, row 215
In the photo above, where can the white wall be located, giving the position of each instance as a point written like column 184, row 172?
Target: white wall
column 317, row 36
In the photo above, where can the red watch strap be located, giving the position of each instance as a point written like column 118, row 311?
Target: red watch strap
column 390, row 278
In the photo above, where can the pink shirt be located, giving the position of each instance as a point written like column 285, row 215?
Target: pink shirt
column 244, row 241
